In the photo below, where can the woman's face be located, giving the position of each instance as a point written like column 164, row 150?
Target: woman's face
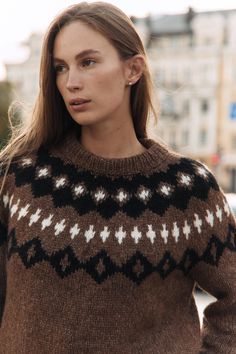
column 90, row 76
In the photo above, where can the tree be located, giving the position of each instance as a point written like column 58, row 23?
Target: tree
column 5, row 101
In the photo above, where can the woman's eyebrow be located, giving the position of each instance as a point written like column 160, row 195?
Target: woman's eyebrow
column 80, row 55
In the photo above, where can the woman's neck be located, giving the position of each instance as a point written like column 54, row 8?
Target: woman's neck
column 115, row 145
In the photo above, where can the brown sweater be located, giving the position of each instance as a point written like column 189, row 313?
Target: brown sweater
column 101, row 256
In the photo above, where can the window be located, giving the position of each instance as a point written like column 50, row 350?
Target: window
column 232, row 113
column 168, row 106
column 204, row 105
column 203, row 137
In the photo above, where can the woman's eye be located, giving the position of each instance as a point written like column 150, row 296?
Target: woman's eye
column 59, row 68
column 88, row 62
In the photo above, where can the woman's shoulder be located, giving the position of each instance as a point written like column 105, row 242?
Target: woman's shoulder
column 18, row 168
column 183, row 161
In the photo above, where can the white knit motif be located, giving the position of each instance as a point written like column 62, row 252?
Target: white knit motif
column 89, row 234
column 6, row 199
column 120, row 235
column 60, row 182
column 14, row 208
column 42, row 172
column 23, row 212
column 186, row 230
column 122, row 196
column 151, row 234
column 185, row 179
column 226, row 208
column 79, row 190
column 47, row 222
column 35, row 217
column 202, row 171
column 219, row 212
column 100, row 195
column 74, row 231
column 164, row 233
column 136, row 235
column 210, row 218
column 104, row 233
column 59, row 227
column 198, row 223
column 144, row 194
column 175, row 232
column 165, row 189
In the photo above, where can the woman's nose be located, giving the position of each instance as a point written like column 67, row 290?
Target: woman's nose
column 73, row 81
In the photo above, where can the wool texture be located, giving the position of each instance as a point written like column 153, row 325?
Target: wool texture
column 101, row 256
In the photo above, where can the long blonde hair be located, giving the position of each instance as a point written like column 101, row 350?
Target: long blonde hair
column 50, row 119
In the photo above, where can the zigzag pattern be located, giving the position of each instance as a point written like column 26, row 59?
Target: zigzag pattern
column 87, row 192
column 101, row 266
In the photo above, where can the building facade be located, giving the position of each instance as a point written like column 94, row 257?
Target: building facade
column 193, row 62
column 25, row 76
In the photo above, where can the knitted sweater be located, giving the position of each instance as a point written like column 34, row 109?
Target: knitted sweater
column 101, row 256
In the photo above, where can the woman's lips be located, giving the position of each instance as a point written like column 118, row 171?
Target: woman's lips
column 79, row 105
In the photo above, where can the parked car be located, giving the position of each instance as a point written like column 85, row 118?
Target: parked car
column 231, row 198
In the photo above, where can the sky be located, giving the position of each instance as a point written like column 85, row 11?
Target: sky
column 19, row 18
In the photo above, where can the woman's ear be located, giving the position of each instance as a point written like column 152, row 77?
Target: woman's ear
column 135, row 68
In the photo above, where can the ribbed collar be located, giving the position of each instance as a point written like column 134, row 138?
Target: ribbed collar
column 152, row 157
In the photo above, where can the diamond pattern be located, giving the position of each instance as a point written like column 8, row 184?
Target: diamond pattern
column 100, row 266
column 214, row 251
column 131, row 271
column 86, row 192
column 93, row 270
column 189, row 260
column 166, row 265
column 32, row 252
column 64, row 262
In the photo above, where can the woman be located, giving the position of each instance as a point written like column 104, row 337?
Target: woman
column 104, row 231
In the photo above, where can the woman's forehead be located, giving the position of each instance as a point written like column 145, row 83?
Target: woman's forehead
column 77, row 37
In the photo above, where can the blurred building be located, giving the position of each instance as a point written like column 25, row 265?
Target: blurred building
column 25, row 76
column 193, row 62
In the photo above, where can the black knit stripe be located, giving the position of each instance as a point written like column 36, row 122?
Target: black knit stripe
column 108, row 207
column 32, row 252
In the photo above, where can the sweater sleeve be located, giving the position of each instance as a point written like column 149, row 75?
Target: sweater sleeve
column 215, row 272
column 3, row 249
